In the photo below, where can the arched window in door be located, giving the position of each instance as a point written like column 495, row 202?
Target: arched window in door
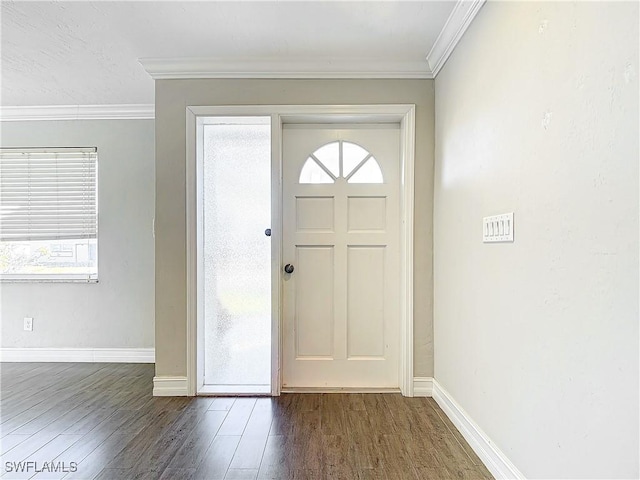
column 341, row 159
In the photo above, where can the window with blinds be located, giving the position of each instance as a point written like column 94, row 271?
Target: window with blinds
column 48, row 214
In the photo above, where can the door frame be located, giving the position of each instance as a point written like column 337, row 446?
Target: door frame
column 402, row 114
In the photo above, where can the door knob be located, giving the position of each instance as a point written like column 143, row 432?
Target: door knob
column 267, row 232
column 288, row 268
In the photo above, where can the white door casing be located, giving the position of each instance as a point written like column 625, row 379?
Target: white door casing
column 284, row 115
column 341, row 233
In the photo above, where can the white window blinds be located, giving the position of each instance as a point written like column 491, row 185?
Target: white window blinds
column 48, row 194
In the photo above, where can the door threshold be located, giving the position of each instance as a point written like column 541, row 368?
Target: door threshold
column 235, row 390
column 339, row 390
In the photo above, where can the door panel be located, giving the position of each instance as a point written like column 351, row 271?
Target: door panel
column 341, row 232
column 314, row 301
column 314, row 214
column 365, row 281
column 367, row 214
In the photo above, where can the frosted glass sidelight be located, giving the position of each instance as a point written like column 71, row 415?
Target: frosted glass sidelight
column 237, row 257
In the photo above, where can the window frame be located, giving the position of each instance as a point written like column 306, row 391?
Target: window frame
column 87, row 277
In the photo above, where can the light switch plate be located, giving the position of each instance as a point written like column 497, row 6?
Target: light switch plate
column 498, row 228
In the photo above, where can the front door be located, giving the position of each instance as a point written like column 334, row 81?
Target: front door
column 341, row 230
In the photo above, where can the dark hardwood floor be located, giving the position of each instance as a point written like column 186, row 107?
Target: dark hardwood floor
column 100, row 421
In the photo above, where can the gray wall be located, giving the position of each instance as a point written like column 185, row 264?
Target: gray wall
column 117, row 312
column 172, row 98
column 537, row 113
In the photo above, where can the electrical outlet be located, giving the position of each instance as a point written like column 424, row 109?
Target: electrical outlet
column 28, row 324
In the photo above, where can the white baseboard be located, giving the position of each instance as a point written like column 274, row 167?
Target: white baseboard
column 98, row 355
column 164, row 386
column 493, row 458
column 423, row 386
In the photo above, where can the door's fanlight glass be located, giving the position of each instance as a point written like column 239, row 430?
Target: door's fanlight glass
column 313, row 173
column 328, row 155
column 369, row 172
column 352, row 156
column 341, row 159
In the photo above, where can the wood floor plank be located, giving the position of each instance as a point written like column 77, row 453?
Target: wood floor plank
column 339, row 457
column 259, row 422
column 190, row 455
column 396, row 460
column 354, row 401
column 222, row 403
column 307, row 448
column 368, row 458
column 178, row 474
column 104, row 419
column 237, row 417
column 373, row 474
column 41, row 458
column 11, row 441
column 124, row 474
column 164, row 447
column 91, row 420
column 378, row 415
column 248, row 455
column 241, row 474
column 332, row 414
column 99, row 458
column 142, row 442
column 216, row 461
column 28, row 447
column 73, row 455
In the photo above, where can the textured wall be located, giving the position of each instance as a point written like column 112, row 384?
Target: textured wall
column 117, row 312
column 537, row 113
column 172, row 97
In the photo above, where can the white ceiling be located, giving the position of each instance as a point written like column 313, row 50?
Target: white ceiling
column 86, row 53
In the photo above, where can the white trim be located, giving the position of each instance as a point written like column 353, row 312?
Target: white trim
column 192, row 254
column 407, row 199
column 423, row 386
column 340, row 390
column 494, row 459
column 461, row 17
column 235, row 390
column 97, row 355
column 165, row 386
column 276, row 251
column 281, row 114
column 207, row 67
column 77, row 112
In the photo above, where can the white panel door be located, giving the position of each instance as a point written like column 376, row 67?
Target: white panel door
column 341, row 234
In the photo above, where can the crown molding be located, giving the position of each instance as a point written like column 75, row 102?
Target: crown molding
column 461, row 17
column 187, row 68
column 77, row 112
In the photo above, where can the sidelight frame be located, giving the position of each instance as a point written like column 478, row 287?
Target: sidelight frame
column 402, row 114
